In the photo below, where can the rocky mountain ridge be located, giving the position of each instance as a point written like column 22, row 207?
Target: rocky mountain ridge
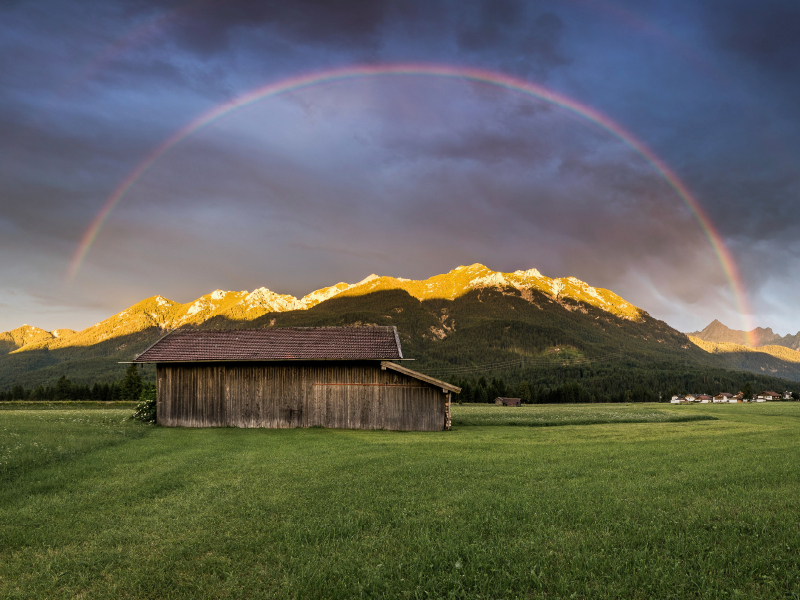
column 245, row 306
column 755, row 338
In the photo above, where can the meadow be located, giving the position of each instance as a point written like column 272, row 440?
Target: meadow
column 643, row 502
column 573, row 414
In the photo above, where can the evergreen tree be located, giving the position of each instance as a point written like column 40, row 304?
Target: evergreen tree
column 466, row 394
column 63, row 388
column 481, row 395
column 497, row 389
column 524, row 391
column 131, row 385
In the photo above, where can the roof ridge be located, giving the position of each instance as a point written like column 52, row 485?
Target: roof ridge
column 195, row 330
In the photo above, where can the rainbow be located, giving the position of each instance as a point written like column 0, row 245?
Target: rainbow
column 427, row 70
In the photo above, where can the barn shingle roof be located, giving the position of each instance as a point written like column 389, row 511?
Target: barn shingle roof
column 280, row 343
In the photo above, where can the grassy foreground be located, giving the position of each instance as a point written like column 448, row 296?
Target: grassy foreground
column 94, row 507
column 574, row 414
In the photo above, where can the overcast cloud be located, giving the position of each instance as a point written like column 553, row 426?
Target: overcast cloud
column 405, row 176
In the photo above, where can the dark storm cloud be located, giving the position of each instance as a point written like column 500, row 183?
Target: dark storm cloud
column 485, row 25
column 521, row 44
column 736, row 146
column 510, row 33
column 543, row 39
column 765, row 33
column 210, row 26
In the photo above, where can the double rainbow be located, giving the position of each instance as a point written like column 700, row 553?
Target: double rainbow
column 463, row 73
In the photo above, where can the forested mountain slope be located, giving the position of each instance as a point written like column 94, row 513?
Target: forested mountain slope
column 778, row 361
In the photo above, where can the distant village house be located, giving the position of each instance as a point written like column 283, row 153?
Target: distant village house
column 726, row 397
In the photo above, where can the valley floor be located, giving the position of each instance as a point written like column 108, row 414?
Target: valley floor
column 95, row 506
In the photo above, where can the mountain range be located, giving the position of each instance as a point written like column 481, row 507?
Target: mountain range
column 467, row 322
column 755, row 338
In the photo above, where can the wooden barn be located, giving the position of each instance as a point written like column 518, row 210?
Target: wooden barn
column 341, row 377
column 501, row 401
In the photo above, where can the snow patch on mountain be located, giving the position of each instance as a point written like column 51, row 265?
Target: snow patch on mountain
column 587, row 289
column 556, row 287
column 197, row 307
column 325, row 294
column 528, row 274
column 270, row 301
column 593, row 293
column 367, row 279
column 489, row 280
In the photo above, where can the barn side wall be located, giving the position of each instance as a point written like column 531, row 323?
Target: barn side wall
column 355, row 395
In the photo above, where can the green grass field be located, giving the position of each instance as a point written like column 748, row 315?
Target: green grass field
column 92, row 506
column 574, row 414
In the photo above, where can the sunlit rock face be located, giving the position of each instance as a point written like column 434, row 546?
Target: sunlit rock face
column 245, row 306
column 719, row 333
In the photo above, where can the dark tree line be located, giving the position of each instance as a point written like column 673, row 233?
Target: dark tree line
column 615, row 382
column 483, row 390
column 610, row 383
column 128, row 388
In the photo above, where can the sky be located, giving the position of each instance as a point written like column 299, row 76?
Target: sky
column 117, row 185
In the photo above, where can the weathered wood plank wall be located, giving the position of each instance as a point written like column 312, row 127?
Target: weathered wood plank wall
column 355, row 395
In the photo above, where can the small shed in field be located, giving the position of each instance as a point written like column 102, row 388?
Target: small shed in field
column 340, row 377
column 508, row 401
